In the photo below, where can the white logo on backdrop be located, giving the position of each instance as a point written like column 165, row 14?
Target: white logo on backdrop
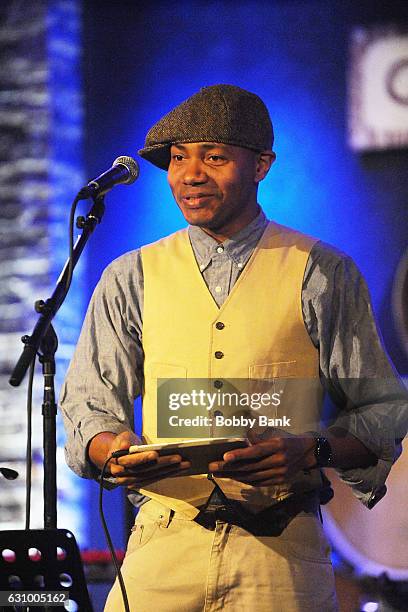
column 378, row 89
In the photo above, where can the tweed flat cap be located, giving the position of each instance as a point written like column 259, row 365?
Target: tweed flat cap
column 218, row 113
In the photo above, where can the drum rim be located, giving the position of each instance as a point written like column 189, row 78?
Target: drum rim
column 399, row 286
column 362, row 565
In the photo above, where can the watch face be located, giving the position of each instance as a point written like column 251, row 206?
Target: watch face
column 323, row 452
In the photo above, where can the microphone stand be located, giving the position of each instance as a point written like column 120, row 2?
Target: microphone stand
column 48, row 348
column 44, row 341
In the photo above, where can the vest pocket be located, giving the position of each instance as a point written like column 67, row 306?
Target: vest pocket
column 278, row 369
column 300, row 396
column 165, row 370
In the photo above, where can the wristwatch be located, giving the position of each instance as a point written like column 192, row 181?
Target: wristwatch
column 323, row 451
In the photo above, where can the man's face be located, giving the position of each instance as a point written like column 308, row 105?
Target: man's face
column 215, row 185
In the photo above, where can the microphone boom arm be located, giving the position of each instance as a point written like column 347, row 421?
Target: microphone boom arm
column 50, row 307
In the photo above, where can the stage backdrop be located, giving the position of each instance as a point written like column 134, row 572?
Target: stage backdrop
column 40, row 172
column 140, row 60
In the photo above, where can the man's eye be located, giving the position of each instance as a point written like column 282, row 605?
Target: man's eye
column 216, row 158
column 177, row 157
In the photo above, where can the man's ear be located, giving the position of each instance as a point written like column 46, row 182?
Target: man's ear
column 263, row 164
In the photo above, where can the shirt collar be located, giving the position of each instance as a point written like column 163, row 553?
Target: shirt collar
column 239, row 247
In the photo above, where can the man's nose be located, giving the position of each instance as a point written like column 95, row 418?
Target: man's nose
column 194, row 172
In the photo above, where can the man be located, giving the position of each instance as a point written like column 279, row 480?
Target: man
column 232, row 297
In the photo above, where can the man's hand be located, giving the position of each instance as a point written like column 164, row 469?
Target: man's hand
column 270, row 460
column 138, row 469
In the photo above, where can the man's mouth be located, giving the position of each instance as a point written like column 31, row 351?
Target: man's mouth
column 195, row 200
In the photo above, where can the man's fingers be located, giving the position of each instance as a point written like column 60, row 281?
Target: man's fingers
column 261, row 449
column 137, row 458
column 136, row 481
column 134, row 460
column 146, row 462
column 123, row 441
column 119, row 470
column 118, row 465
column 254, row 464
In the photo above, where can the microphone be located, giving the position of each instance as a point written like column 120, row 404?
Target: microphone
column 125, row 170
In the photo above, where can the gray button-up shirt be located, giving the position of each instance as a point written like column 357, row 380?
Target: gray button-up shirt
column 106, row 372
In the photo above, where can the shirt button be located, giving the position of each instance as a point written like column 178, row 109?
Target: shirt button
column 220, row 325
column 202, row 267
column 218, row 384
column 219, row 354
column 220, row 249
column 218, row 289
column 240, row 265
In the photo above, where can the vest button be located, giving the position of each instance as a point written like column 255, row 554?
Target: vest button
column 218, row 384
column 220, row 325
column 219, row 354
column 217, row 413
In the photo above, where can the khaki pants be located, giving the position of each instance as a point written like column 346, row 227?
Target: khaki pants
column 173, row 564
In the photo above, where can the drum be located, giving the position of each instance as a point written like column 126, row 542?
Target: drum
column 400, row 300
column 372, row 541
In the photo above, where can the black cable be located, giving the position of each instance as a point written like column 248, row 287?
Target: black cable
column 28, row 445
column 71, row 241
column 109, row 540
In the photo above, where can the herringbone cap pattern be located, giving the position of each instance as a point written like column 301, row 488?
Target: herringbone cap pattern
column 219, row 113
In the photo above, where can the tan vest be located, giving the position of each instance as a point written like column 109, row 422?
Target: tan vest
column 263, row 337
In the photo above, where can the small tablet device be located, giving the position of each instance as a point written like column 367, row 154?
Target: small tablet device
column 198, row 452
